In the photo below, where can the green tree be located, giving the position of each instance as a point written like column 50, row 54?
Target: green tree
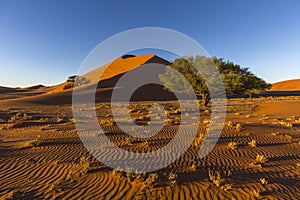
column 201, row 78
column 237, row 80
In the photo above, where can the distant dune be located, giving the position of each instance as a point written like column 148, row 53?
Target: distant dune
column 6, row 89
column 289, row 85
column 35, row 87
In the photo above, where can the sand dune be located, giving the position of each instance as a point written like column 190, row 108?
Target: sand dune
column 289, row 85
column 56, row 95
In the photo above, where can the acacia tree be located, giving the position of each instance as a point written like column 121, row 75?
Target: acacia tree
column 193, row 75
column 237, row 80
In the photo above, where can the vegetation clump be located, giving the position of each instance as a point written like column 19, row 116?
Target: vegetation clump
column 215, row 178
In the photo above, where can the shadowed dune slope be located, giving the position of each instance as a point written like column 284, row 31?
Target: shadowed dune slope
column 6, row 89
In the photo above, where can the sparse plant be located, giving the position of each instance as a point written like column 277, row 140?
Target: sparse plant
column 260, row 159
column 68, row 86
column 59, row 120
column 19, row 117
column 193, row 168
column 129, row 175
column 256, row 194
column 238, row 127
column 263, row 181
column 172, row 178
column 286, row 124
column 232, row 145
column 274, row 134
column 215, row 178
column 36, row 142
column 206, row 121
column 84, row 165
column 151, row 181
column 198, row 140
column 252, row 143
column 288, row 136
column 117, row 172
column 226, row 187
column 228, row 173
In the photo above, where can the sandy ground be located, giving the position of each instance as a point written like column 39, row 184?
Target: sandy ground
column 42, row 156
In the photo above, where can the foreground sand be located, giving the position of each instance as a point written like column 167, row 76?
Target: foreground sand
column 42, row 157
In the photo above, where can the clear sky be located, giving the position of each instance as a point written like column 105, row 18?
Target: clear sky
column 45, row 41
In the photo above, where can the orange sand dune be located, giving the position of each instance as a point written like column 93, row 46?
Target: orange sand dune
column 113, row 71
column 288, row 85
column 119, row 66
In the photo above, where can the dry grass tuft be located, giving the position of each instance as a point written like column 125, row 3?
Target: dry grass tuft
column 256, row 194
column 232, row 145
column 151, row 181
column 198, row 140
column 84, row 164
column 263, row 181
column 215, row 178
column 260, row 159
column 172, row 178
column 252, row 144
column 19, row 117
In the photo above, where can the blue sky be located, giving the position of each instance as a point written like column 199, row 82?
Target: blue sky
column 43, row 42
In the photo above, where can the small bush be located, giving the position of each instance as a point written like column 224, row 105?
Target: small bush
column 68, row 86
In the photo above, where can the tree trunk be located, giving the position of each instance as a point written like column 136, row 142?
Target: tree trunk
column 250, row 95
column 205, row 98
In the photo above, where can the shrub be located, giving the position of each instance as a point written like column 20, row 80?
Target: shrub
column 68, row 86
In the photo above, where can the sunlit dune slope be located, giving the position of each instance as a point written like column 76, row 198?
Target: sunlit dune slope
column 289, row 85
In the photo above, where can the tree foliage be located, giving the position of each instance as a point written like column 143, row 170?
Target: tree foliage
column 237, row 80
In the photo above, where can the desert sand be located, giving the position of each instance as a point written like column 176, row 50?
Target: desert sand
column 42, row 157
